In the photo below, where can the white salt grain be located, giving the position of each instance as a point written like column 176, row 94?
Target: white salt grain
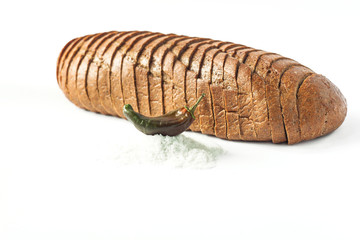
column 178, row 151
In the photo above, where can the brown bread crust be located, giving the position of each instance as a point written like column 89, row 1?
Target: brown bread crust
column 245, row 102
column 272, row 80
column 251, row 94
column 92, row 75
column 290, row 82
column 143, row 74
column 116, row 86
column 322, row 107
column 81, row 77
column 156, row 83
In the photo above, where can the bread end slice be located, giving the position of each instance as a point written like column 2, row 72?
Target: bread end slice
column 322, row 107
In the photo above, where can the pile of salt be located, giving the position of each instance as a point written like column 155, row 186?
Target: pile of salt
column 178, row 151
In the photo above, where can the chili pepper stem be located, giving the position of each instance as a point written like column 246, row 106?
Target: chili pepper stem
column 192, row 109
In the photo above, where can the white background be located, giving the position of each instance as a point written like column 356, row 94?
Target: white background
column 55, row 183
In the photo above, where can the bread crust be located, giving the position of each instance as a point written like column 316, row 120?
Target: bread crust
column 81, row 77
column 191, row 83
column 116, row 86
column 322, row 107
column 73, row 71
column 104, row 68
column 93, row 74
column 157, row 102
column 247, row 127
column 290, row 82
column 272, row 80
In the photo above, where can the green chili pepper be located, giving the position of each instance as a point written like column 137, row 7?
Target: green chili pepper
column 170, row 124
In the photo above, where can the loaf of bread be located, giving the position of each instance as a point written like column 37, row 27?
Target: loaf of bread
column 251, row 95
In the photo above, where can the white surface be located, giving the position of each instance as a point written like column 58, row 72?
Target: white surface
column 55, row 182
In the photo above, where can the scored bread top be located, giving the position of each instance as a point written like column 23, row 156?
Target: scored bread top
column 251, row 94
